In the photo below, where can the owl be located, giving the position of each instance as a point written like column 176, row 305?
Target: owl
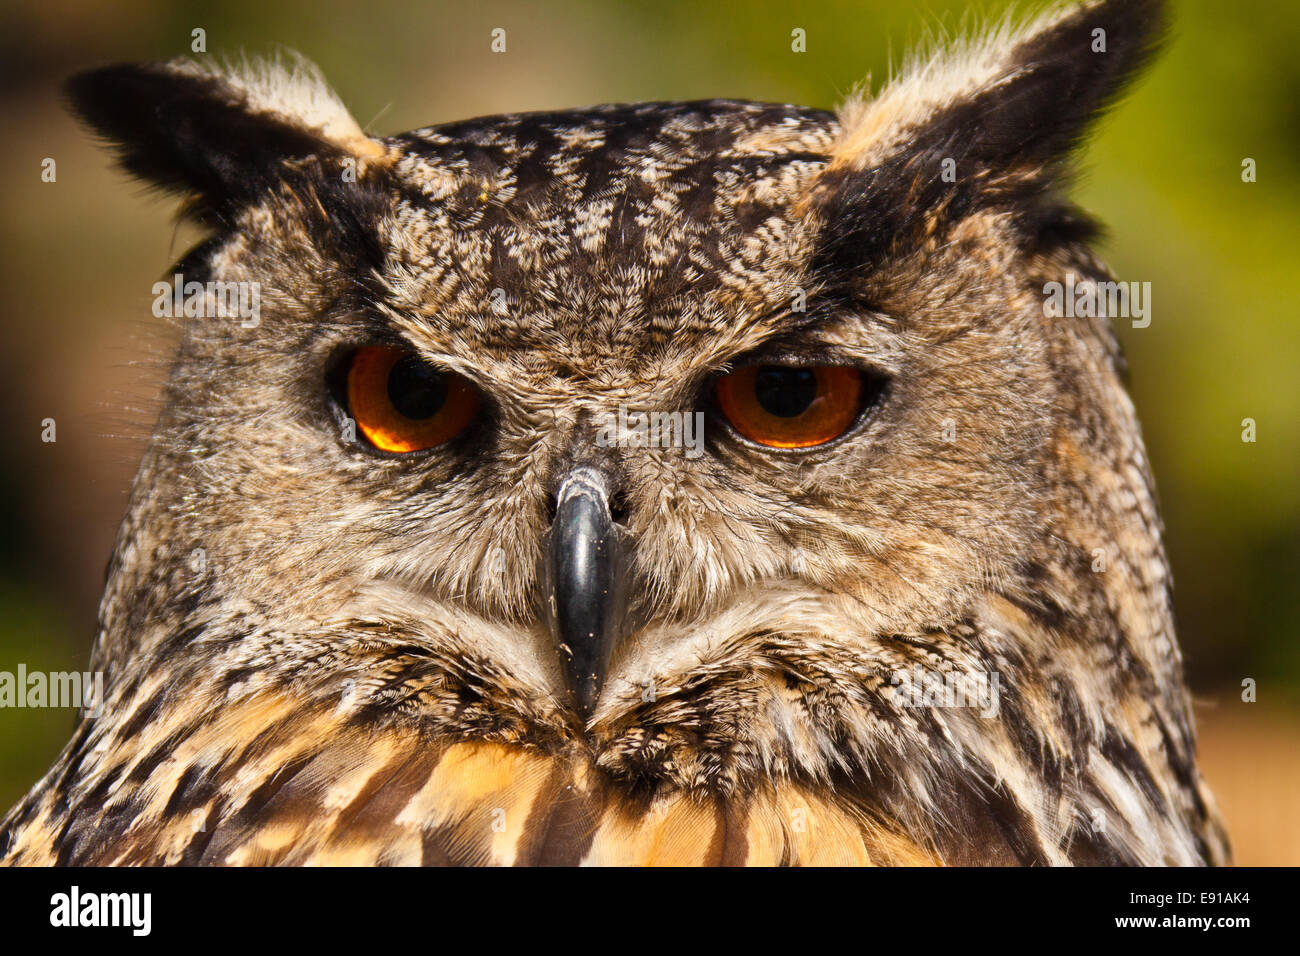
column 672, row 483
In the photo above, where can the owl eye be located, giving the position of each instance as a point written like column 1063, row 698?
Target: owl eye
column 402, row 403
column 788, row 406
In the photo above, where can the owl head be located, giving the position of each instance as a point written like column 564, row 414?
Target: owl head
column 669, row 433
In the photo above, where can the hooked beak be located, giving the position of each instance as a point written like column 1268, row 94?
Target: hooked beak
column 586, row 582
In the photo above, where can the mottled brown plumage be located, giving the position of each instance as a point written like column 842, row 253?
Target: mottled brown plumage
column 360, row 666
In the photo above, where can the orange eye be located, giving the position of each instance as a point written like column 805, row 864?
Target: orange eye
column 402, row 403
column 786, row 406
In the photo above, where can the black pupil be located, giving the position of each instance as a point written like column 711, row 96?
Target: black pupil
column 784, row 391
column 416, row 390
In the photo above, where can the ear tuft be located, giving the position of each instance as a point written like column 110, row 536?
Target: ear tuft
column 1017, row 94
column 295, row 93
column 989, row 126
column 219, row 135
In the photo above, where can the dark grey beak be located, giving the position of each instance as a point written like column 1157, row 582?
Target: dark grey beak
column 586, row 581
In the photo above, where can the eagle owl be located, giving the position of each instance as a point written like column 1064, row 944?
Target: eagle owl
column 405, row 578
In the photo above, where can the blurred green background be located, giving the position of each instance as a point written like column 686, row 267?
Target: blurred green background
column 1164, row 173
